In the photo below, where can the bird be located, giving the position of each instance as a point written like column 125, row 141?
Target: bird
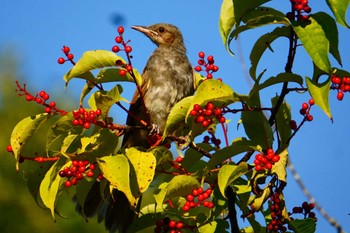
column 167, row 78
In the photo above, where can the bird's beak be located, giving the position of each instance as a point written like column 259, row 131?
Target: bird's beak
column 145, row 30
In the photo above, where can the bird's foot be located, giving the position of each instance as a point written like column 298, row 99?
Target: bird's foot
column 154, row 130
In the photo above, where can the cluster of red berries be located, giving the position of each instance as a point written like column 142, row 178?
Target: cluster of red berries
column 205, row 115
column 208, row 65
column 198, row 197
column 69, row 56
column 305, row 110
column 40, row 98
column 212, row 139
column 301, row 9
column 263, row 161
column 340, row 84
column 167, row 225
column 120, row 40
column 77, row 171
column 85, row 118
column 305, row 209
column 276, row 224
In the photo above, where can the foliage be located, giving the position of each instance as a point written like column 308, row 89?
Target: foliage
column 219, row 178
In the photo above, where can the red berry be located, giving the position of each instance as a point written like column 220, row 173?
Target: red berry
column 120, row 30
column 29, row 97
column 9, row 148
column 128, row 49
column 201, row 54
column 210, row 59
column 119, row 39
column 62, row 173
column 200, row 190
column 304, row 2
column 209, row 191
column 311, row 206
column 259, row 168
column 210, row 205
column 90, row 174
column 128, row 67
column 198, row 68
column 276, row 158
column 172, row 224
column 98, row 112
column 122, row 72
column 307, row 9
column 205, row 123
column 179, row 225
column 47, row 109
column 268, row 166
column 75, row 122
column 197, row 107
column 52, row 104
column 79, row 176
column 304, row 106
column 179, row 159
column 66, row 49
column 217, row 112
column 68, row 183
column 222, row 119
column 293, row 125
column 215, row 68
column 70, row 56
column 189, row 197
column 39, row 100
column 209, row 76
column 193, row 112
column 92, row 166
column 186, row 208
column 115, row 49
column 61, row 60
column 82, row 169
column 305, row 205
column 210, row 106
column 340, row 95
column 87, row 125
column 199, row 119
column 336, row 79
column 311, row 101
column 309, row 117
column 195, row 192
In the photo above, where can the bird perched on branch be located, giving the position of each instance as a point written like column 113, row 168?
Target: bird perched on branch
column 167, row 78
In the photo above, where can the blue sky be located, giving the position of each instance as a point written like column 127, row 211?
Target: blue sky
column 36, row 30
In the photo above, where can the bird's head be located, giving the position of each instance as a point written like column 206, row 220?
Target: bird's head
column 163, row 34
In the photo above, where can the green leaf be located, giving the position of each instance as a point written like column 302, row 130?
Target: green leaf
column 280, row 168
column 23, row 132
column 177, row 116
column 258, row 201
column 256, row 125
column 307, row 225
column 239, row 145
column 320, row 94
column 144, row 166
column 50, row 185
column 105, row 100
column 330, row 28
column 216, row 226
column 227, row 19
column 92, row 60
column 229, row 173
column 262, row 44
column 315, row 42
column 116, row 170
column 181, row 185
column 283, row 118
column 112, row 75
column 339, row 8
column 280, row 78
column 258, row 17
column 63, row 134
column 231, row 13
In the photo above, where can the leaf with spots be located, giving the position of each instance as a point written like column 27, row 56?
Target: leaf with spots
column 24, row 131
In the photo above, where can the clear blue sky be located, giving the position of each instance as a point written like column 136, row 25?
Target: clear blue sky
column 36, row 30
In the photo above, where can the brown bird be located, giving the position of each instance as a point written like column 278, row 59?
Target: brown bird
column 167, row 78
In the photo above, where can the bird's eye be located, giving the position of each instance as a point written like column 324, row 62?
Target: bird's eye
column 161, row 29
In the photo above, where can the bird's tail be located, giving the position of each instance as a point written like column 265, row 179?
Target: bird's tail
column 111, row 208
